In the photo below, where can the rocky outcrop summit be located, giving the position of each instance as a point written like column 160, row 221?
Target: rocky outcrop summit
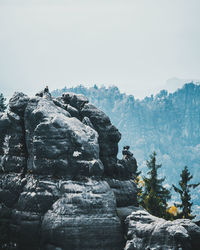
column 61, row 184
column 58, row 175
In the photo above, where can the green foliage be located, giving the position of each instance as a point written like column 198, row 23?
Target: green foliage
column 2, row 103
column 140, row 184
column 184, row 192
column 155, row 196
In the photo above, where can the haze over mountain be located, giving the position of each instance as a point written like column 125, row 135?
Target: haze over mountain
column 172, row 84
column 135, row 45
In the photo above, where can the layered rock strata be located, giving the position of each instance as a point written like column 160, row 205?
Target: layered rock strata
column 78, row 105
column 57, row 161
column 145, row 231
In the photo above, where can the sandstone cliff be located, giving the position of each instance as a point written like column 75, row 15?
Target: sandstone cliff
column 61, row 185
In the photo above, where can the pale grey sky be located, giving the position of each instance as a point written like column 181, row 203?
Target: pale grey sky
column 134, row 44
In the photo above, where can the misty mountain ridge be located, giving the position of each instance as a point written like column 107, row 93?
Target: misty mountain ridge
column 172, row 84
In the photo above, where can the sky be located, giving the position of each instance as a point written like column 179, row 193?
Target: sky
column 136, row 45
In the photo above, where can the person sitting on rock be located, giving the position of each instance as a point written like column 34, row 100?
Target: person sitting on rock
column 127, row 166
column 126, row 153
column 46, row 90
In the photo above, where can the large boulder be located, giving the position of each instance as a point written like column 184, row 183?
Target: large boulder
column 55, row 140
column 56, row 214
column 18, row 103
column 84, row 217
column 145, row 231
column 109, row 136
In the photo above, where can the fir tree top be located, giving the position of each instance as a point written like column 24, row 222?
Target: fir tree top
column 155, row 196
column 184, row 192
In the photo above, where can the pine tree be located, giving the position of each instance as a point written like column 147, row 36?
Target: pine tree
column 155, row 196
column 184, row 192
column 2, row 103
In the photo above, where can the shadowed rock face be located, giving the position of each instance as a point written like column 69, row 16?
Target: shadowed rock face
column 54, row 157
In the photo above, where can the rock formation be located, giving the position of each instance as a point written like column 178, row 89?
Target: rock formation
column 61, row 185
column 57, row 165
column 145, row 231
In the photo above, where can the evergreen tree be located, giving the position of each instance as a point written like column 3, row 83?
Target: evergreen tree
column 2, row 103
column 155, row 196
column 184, row 192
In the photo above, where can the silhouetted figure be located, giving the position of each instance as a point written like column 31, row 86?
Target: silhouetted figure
column 46, row 90
column 127, row 166
column 44, row 93
column 126, row 153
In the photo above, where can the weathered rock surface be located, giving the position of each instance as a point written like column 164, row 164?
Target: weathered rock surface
column 85, row 212
column 52, row 193
column 125, row 192
column 56, row 141
column 78, row 106
column 61, row 185
column 145, row 231
column 12, row 147
column 55, row 214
